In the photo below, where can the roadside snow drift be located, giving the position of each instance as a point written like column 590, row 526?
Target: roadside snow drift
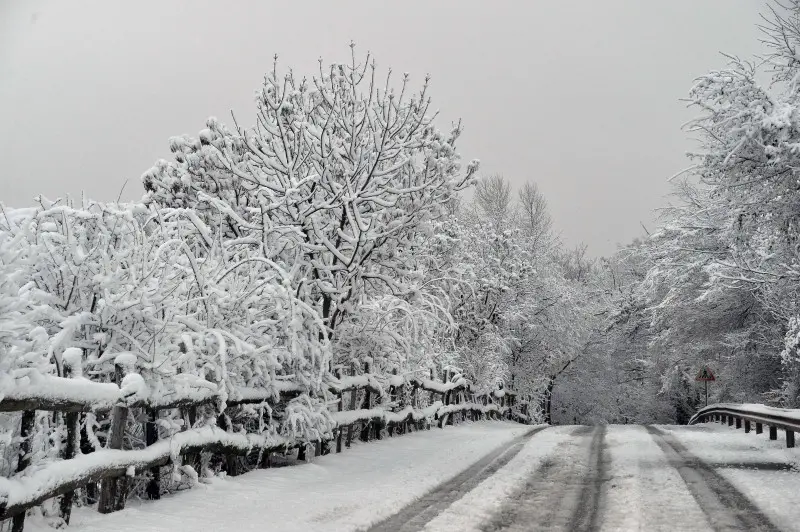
column 336, row 492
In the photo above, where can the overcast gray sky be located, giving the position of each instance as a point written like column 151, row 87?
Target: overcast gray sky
column 579, row 96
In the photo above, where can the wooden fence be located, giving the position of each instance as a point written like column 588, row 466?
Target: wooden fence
column 365, row 409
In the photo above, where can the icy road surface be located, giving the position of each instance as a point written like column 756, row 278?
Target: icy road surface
column 501, row 476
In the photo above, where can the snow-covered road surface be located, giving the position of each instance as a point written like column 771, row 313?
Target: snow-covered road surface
column 419, row 513
column 502, row 476
column 338, row 492
column 564, row 493
column 635, row 478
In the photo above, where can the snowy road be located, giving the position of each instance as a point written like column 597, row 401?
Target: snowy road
column 503, row 477
column 564, row 493
column 419, row 513
column 635, row 478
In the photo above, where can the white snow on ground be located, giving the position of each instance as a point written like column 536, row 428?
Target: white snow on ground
column 643, row 491
column 774, row 492
column 469, row 512
column 343, row 491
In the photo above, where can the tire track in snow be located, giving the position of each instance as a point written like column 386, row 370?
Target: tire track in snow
column 725, row 507
column 565, row 493
column 416, row 515
column 587, row 513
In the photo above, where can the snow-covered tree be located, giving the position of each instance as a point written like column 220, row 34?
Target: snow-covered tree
column 333, row 183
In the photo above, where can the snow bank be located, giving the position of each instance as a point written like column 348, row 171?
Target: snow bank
column 338, row 492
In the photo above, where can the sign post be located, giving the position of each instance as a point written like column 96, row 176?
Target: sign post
column 705, row 375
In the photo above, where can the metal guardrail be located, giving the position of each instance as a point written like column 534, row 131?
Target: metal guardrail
column 740, row 415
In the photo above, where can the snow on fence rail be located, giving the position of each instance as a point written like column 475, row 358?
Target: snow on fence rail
column 753, row 414
column 449, row 402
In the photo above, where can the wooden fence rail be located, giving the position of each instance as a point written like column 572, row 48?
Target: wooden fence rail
column 399, row 412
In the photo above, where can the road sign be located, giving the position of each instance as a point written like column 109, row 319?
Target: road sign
column 705, row 375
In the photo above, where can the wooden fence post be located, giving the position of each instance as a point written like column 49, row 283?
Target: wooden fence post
column 192, row 458
column 448, row 398
column 392, row 399
column 231, row 465
column 266, row 460
column 353, row 393
column 446, row 380
column 114, row 490
column 430, row 394
column 86, row 448
column 71, row 420
column 73, row 435
column 368, row 402
column 153, row 488
column 26, row 435
column 401, row 393
column 339, row 408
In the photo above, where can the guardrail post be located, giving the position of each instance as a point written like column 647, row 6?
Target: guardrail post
column 738, row 422
column 773, row 433
column 746, row 426
column 730, row 420
column 789, row 438
column 759, row 428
